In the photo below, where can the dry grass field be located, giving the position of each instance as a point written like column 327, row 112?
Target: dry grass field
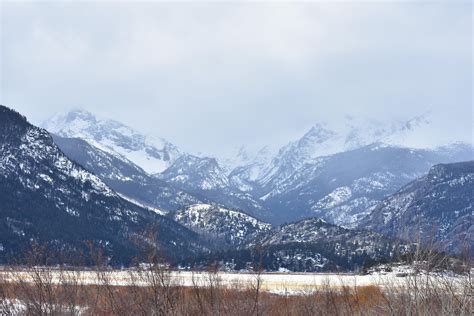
column 155, row 290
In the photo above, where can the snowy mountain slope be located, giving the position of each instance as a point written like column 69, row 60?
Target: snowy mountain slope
column 338, row 173
column 437, row 208
column 244, row 157
column 196, row 173
column 178, row 179
column 325, row 140
column 206, row 179
column 245, row 172
column 225, row 226
column 345, row 187
column 152, row 154
column 144, row 206
column 125, row 177
column 238, row 158
column 47, row 198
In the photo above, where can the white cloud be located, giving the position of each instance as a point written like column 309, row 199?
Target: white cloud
column 255, row 72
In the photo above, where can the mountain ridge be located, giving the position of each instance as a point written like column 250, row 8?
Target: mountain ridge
column 303, row 179
column 436, row 209
column 153, row 154
column 50, row 199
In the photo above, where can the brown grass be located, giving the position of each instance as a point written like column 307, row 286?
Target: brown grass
column 44, row 298
column 151, row 291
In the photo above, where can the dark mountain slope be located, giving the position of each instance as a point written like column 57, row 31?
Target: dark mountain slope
column 345, row 187
column 437, row 208
column 310, row 245
column 125, row 177
column 47, row 198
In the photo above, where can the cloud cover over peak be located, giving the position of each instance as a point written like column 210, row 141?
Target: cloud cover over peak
column 248, row 73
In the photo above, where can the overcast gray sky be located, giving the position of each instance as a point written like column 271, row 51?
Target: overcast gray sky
column 212, row 76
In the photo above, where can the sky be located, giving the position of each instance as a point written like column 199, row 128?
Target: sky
column 211, row 77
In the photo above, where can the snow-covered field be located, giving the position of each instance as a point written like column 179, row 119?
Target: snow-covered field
column 281, row 283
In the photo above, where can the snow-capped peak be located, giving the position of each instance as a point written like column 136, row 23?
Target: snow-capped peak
column 325, row 139
column 356, row 132
column 192, row 172
column 244, row 158
column 152, row 154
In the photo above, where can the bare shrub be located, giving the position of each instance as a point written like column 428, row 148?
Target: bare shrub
column 150, row 287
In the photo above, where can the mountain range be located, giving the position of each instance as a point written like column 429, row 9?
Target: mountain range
column 48, row 198
column 153, row 154
column 335, row 199
column 339, row 175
